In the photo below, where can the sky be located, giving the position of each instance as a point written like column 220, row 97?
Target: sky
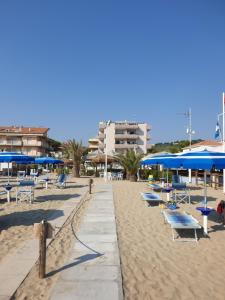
column 69, row 64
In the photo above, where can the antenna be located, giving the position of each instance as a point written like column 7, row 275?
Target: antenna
column 189, row 131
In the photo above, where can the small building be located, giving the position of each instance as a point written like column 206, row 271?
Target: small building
column 32, row 141
column 209, row 145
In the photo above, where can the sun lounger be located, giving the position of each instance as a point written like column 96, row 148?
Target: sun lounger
column 151, row 198
column 181, row 220
column 155, row 187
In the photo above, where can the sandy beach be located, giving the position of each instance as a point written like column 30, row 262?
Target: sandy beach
column 16, row 224
column 155, row 267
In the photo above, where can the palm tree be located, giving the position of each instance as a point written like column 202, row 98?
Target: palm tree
column 130, row 161
column 74, row 150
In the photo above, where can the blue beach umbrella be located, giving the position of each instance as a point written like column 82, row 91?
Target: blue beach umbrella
column 157, row 159
column 48, row 160
column 9, row 157
column 204, row 160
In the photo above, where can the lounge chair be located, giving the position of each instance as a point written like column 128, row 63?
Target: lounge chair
column 155, row 187
column 181, row 193
column 61, row 181
column 181, row 220
column 21, row 175
column 25, row 191
column 151, row 198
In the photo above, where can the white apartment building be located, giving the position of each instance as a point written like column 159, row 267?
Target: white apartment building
column 120, row 136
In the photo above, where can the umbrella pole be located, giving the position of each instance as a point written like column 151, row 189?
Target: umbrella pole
column 8, row 172
column 205, row 217
column 167, row 177
column 205, row 190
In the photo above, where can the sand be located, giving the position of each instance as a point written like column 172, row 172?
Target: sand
column 16, row 225
column 155, row 267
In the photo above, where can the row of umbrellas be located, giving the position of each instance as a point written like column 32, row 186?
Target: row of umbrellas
column 203, row 160
column 19, row 158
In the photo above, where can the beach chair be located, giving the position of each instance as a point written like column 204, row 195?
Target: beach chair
column 21, row 175
column 61, row 181
column 181, row 220
column 25, row 191
column 181, row 194
column 155, row 187
column 151, row 198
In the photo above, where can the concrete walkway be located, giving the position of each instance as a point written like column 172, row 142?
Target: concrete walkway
column 93, row 270
column 15, row 267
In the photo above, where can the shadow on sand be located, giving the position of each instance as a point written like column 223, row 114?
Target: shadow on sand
column 78, row 260
column 62, row 197
column 199, row 199
column 28, row 218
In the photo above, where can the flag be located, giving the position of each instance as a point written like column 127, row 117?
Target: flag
column 218, row 131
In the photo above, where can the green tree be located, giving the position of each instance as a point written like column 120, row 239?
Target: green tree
column 130, row 161
column 74, row 150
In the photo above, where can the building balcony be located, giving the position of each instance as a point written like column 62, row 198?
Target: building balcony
column 101, row 136
column 126, row 136
column 126, row 146
column 126, row 126
column 101, row 146
column 102, row 126
column 34, row 143
column 93, row 147
column 11, row 143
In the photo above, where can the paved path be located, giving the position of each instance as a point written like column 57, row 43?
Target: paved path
column 15, row 267
column 93, row 270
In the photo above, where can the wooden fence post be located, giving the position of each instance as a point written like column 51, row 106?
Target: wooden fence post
column 90, row 184
column 42, row 249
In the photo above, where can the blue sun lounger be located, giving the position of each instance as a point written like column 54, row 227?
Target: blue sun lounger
column 181, row 220
column 151, row 198
column 155, row 187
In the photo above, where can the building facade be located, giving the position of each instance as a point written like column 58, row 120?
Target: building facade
column 32, row 141
column 93, row 145
column 118, row 137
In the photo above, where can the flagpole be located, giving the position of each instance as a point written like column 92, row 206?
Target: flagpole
column 223, row 139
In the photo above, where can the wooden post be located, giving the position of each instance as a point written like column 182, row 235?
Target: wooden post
column 90, row 183
column 42, row 249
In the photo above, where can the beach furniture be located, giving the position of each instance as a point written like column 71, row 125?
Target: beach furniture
column 155, row 187
column 21, row 175
column 3, row 193
column 151, row 198
column 61, row 181
column 25, row 191
column 44, row 180
column 181, row 221
column 181, row 193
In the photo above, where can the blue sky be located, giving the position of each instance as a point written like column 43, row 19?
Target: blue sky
column 69, row 64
